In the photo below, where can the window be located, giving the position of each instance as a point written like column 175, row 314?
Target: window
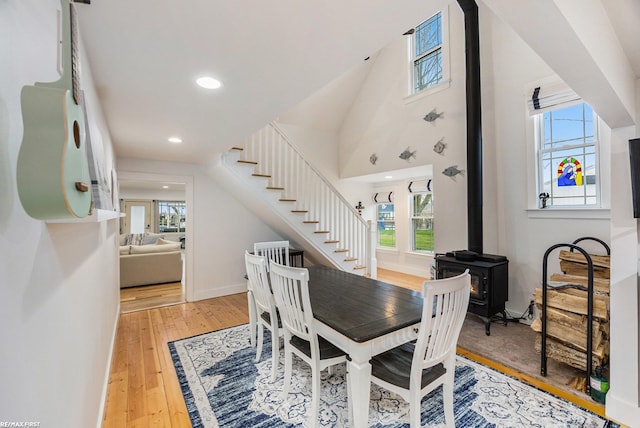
column 427, row 53
column 567, row 140
column 386, row 225
column 171, row 216
column 422, row 222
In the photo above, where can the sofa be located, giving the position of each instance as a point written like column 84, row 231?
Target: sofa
column 149, row 259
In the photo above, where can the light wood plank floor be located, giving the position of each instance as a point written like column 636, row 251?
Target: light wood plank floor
column 150, row 296
column 143, row 387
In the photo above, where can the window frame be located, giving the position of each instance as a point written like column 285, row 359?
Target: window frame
column 414, row 95
column 393, row 220
column 541, row 152
column 413, row 217
column 183, row 214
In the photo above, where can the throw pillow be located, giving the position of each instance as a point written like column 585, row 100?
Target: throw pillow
column 134, row 239
column 150, row 238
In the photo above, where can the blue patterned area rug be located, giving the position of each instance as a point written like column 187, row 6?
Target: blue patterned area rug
column 224, row 387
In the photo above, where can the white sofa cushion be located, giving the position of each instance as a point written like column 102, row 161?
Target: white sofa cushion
column 147, row 249
column 162, row 241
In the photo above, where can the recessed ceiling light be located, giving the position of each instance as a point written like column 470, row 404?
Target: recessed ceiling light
column 208, row 82
column 388, row 176
column 165, row 187
column 176, row 140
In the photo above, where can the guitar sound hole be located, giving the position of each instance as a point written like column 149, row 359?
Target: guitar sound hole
column 76, row 133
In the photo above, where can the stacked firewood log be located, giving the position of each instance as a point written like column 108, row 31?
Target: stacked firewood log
column 567, row 311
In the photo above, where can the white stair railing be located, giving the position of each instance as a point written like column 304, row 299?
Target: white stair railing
column 278, row 158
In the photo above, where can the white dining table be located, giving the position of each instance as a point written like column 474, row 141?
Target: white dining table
column 364, row 317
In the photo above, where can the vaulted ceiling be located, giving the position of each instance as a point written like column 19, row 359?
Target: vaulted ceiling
column 269, row 55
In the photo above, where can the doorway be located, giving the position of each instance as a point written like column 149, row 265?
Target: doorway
column 139, row 195
column 138, row 216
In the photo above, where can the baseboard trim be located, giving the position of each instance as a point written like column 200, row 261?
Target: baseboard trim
column 105, row 384
column 218, row 292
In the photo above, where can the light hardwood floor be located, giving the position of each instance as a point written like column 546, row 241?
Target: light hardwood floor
column 143, row 388
column 150, row 296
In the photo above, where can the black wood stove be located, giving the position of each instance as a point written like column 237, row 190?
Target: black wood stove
column 489, row 273
column 489, row 282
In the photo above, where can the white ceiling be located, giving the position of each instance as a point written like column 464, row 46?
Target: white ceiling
column 269, row 54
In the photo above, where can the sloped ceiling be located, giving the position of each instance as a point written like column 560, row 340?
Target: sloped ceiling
column 269, row 54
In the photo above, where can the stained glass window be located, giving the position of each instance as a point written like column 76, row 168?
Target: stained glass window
column 568, row 161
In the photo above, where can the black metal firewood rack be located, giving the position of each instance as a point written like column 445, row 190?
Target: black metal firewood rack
column 543, row 314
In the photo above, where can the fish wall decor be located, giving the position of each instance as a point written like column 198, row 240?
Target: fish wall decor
column 373, row 159
column 408, row 154
column 433, row 115
column 440, row 146
column 452, row 171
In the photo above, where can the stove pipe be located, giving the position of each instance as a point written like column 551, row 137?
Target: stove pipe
column 474, row 125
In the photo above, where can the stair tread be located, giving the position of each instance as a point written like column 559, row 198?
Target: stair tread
column 301, row 211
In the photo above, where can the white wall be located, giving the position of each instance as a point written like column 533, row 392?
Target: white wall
column 384, row 121
column 59, row 297
column 219, row 228
column 623, row 400
column 524, row 236
column 401, row 258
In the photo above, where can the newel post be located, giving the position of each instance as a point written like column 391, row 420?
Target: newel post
column 372, row 262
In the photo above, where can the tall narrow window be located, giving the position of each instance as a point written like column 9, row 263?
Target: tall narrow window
column 427, row 53
column 567, row 140
column 386, row 225
column 422, row 222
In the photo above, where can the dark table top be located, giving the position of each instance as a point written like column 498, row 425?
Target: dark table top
column 361, row 308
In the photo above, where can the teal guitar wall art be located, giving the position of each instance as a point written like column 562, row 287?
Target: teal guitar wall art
column 53, row 171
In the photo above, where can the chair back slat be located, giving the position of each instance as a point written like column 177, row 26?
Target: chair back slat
column 291, row 292
column 256, row 267
column 445, row 306
column 278, row 251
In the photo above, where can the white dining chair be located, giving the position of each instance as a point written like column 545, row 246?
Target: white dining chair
column 277, row 251
column 266, row 312
column 291, row 291
column 413, row 370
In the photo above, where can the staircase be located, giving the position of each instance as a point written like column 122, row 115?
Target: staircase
column 270, row 176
